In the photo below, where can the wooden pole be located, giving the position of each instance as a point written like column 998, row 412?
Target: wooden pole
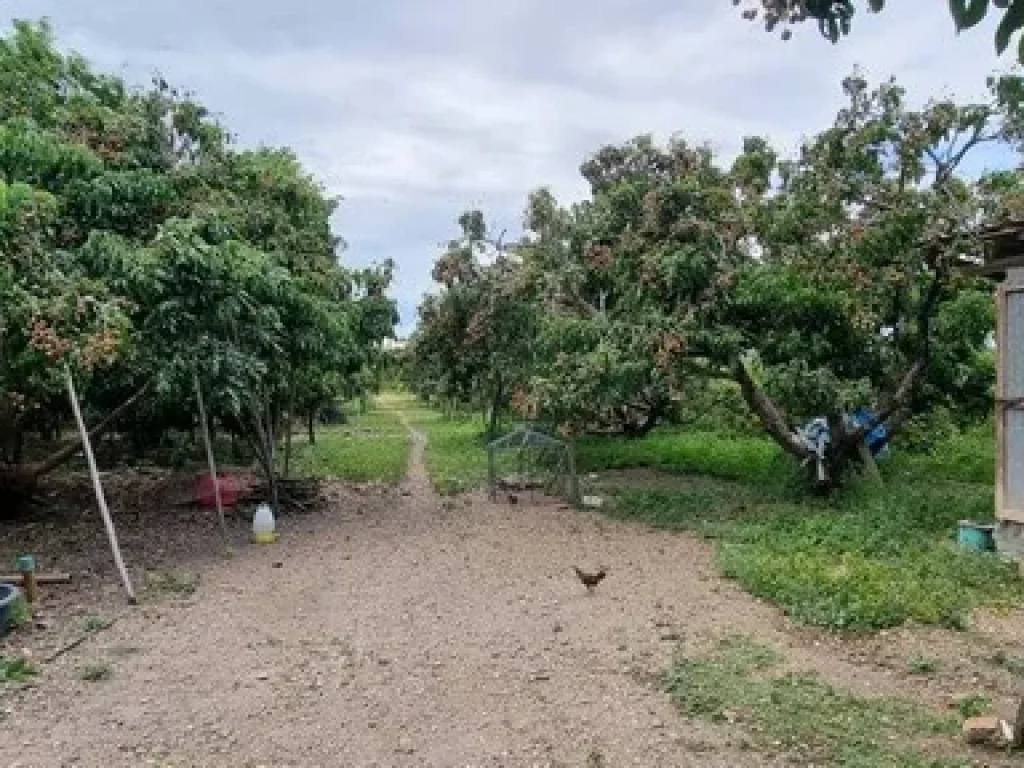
column 210, row 461
column 27, row 568
column 272, row 451
column 101, row 500
column 574, row 483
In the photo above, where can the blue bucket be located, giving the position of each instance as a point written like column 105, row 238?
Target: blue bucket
column 977, row 536
column 9, row 595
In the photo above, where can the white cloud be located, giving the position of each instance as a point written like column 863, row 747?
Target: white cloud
column 414, row 112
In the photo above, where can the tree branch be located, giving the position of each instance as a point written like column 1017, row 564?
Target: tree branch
column 63, row 454
column 944, row 168
column 892, row 405
column 772, row 418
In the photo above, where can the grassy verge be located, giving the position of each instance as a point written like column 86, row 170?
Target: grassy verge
column 372, row 447
column 752, row 459
column 741, row 682
column 871, row 559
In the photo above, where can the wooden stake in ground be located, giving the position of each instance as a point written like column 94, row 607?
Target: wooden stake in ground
column 27, row 569
column 211, row 462
column 97, row 485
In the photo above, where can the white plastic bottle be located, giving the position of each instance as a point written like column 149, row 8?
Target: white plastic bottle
column 263, row 524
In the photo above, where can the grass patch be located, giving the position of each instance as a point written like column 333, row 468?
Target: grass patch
column 16, row 670
column 96, row 673
column 739, row 681
column 94, row 623
column 671, row 449
column 171, row 583
column 869, row 559
column 373, row 447
column 1010, row 662
column 20, row 614
column 873, row 561
column 973, row 705
column 347, row 453
column 919, row 664
column 968, row 457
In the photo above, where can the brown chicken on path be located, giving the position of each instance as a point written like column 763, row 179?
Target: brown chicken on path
column 589, row 580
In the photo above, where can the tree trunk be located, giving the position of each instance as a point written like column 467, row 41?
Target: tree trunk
column 844, row 448
column 260, row 438
column 18, row 445
column 311, row 426
column 18, row 484
column 494, row 417
column 772, row 418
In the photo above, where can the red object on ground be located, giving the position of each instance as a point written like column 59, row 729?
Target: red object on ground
column 229, row 488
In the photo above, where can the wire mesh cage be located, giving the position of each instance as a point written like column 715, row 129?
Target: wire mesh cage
column 528, row 460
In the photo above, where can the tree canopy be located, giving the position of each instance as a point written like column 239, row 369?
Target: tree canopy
column 139, row 240
column 817, row 284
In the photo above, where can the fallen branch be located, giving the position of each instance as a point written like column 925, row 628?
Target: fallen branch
column 60, row 456
column 78, row 641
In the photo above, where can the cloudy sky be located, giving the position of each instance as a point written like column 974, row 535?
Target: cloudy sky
column 414, row 110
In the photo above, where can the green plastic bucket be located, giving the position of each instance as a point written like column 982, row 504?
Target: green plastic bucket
column 977, row 536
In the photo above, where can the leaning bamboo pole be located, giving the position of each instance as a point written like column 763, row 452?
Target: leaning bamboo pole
column 101, row 500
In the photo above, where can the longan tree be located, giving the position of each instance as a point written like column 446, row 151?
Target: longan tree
column 835, row 17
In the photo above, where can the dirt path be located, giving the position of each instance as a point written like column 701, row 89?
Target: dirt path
column 405, row 630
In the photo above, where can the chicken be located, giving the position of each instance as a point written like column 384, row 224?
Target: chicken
column 589, row 580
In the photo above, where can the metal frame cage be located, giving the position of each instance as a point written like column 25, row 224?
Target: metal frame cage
column 527, row 460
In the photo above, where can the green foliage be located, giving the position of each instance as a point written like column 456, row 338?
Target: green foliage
column 834, row 19
column 94, row 623
column 806, row 286
column 474, row 343
column 20, row 614
column 16, row 670
column 973, row 705
column 802, row 715
column 138, row 242
column 954, row 455
column 714, row 406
